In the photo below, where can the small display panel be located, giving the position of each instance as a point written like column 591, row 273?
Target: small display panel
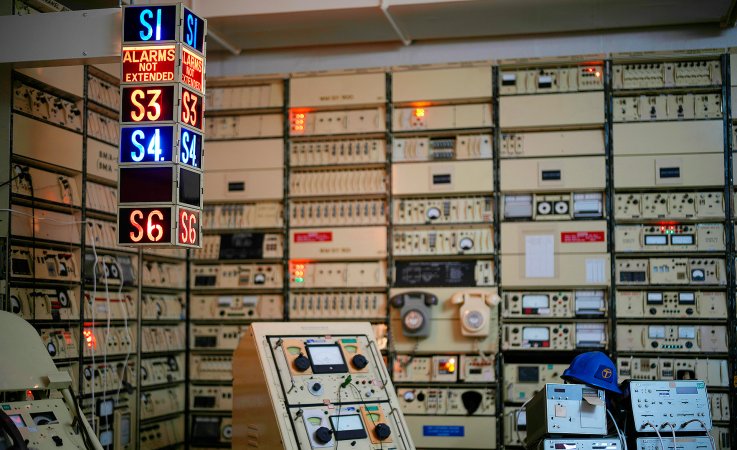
column 327, row 358
column 150, row 23
column 348, row 427
column 528, row 374
column 144, row 225
column 686, row 298
column 146, row 185
column 686, row 390
column 536, row 336
column 534, row 301
column 147, row 104
column 683, row 239
column 146, row 144
column 18, row 420
column 656, row 239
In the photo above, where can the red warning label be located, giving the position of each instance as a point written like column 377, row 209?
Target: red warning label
column 569, row 237
column 317, row 236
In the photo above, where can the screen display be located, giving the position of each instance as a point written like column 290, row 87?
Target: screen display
column 190, row 148
column 189, row 227
column 154, row 64
column 654, row 298
column 348, row 427
column 150, row 23
column 656, row 239
column 686, row 298
column 327, row 359
column 144, row 225
column 193, row 31
column 686, row 332
column 534, row 301
column 528, row 374
column 682, row 239
column 190, row 189
column 147, row 104
column 686, row 390
column 146, row 144
column 535, row 334
column 345, row 423
column 656, row 332
column 146, row 184
column 18, row 420
column 192, row 110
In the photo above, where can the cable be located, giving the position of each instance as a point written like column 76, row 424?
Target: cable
column 619, row 432
column 673, row 430
column 703, row 425
column 516, row 421
column 5, row 183
column 662, row 444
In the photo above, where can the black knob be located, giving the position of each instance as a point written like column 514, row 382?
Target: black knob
column 359, row 361
column 323, row 435
column 316, row 387
column 382, row 431
column 57, row 440
column 301, row 363
column 689, row 344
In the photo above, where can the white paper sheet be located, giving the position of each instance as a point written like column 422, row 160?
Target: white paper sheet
column 539, row 256
column 595, row 270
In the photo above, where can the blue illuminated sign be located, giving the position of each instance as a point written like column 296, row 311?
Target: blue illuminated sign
column 193, row 31
column 146, row 144
column 190, row 148
column 150, row 23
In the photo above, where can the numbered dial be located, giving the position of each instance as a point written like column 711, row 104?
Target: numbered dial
column 413, row 320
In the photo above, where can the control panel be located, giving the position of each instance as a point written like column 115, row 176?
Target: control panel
column 713, row 371
column 580, row 444
column 523, row 381
column 684, row 404
column 44, row 423
column 683, row 442
column 318, row 385
column 672, row 338
column 554, row 304
column 671, row 304
column 557, row 206
column 560, row 409
column 669, row 237
column 557, row 336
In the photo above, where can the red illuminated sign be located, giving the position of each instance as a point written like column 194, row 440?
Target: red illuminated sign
column 568, row 237
column 188, row 231
column 149, row 64
column 192, row 112
column 147, row 104
column 193, row 69
column 317, row 236
column 144, row 225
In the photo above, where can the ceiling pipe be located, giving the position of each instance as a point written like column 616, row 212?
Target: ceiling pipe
column 223, row 42
column 385, row 9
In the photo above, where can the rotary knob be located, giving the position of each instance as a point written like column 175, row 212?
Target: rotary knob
column 359, row 361
column 323, row 435
column 301, row 363
column 382, row 431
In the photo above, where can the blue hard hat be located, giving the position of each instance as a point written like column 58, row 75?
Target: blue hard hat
column 593, row 369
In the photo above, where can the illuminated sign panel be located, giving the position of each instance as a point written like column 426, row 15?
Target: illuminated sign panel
column 193, row 31
column 150, row 23
column 193, row 70
column 149, row 64
column 146, row 144
column 188, row 229
column 148, row 225
column 147, row 104
column 162, row 101
column 190, row 148
column 192, row 111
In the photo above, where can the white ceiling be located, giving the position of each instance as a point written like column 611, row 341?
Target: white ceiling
column 257, row 24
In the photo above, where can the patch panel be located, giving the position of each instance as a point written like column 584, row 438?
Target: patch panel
column 337, row 213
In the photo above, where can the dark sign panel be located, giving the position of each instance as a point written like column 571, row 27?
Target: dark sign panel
column 146, row 185
column 193, row 31
column 192, row 109
column 188, row 231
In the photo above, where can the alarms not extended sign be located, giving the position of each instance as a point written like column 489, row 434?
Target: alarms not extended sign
column 149, row 64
